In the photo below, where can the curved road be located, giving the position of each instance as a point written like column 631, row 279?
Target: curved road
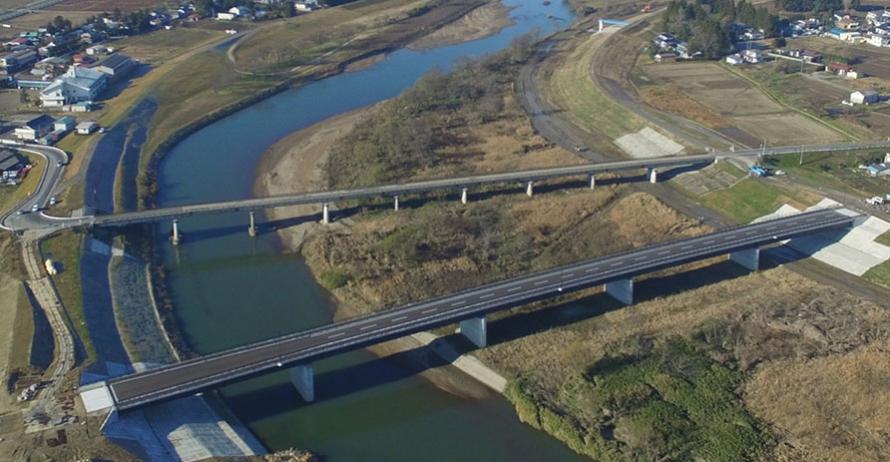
column 22, row 218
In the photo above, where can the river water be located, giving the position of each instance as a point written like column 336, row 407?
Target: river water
column 229, row 289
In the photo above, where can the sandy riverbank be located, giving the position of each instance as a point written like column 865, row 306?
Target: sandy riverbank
column 480, row 23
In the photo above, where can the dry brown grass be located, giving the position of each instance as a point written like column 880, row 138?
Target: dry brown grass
column 669, row 99
column 834, row 408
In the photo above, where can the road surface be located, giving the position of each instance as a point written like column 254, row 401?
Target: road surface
column 191, row 376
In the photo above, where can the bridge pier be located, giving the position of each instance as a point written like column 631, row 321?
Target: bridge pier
column 395, row 203
column 529, row 188
column 303, row 379
column 175, row 237
column 653, row 175
column 621, row 290
column 749, row 258
column 463, row 196
column 592, row 182
column 251, row 230
column 325, row 214
column 475, row 330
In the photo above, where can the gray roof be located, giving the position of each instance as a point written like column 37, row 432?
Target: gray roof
column 115, row 61
column 8, row 160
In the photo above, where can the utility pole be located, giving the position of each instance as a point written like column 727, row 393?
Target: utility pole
column 801, row 156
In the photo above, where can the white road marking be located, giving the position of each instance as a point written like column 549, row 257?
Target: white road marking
column 370, row 326
column 540, row 283
column 428, row 311
column 338, row 334
column 400, row 318
column 514, row 289
column 459, row 302
column 484, row 296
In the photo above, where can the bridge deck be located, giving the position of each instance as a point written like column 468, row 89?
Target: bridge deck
column 213, row 370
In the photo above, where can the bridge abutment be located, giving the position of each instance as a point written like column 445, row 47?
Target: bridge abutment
column 475, row 330
column 621, row 290
column 303, row 379
column 749, row 258
column 251, row 229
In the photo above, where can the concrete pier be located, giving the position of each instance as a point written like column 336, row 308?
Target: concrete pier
column 175, row 237
column 475, row 330
column 463, row 196
column 653, row 175
column 621, row 290
column 325, row 214
column 749, row 258
column 530, row 188
column 251, row 230
column 303, row 379
column 395, row 203
column 592, row 182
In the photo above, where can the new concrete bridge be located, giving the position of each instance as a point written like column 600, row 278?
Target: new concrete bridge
column 468, row 308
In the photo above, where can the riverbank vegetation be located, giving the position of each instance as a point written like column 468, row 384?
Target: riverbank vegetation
column 681, row 375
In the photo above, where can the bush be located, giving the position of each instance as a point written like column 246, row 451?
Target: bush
column 334, row 278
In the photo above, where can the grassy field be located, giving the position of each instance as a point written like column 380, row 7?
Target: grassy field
column 880, row 274
column 571, row 87
column 749, row 198
column 837, row 170
column 65, row 249
column 10, row 196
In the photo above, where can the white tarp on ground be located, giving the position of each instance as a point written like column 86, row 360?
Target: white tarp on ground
column 647, row 143
column 852, row 250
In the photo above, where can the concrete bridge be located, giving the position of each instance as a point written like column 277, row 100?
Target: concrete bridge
column 468, row 308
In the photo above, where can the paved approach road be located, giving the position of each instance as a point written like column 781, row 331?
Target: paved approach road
column 22, row 218
column 198, row 374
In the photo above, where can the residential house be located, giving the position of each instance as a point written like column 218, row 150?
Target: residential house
column 661, row 57
column 85, row 128
column 35, row 128
column 78, row 85
column 15, row 61
column 864, row 97
column 115, row 66
column 735, row 59
column 878, row 40
column 752, row 56
column 64, row 124
column 843, row 70
column 225, row 16
column 12, row 166
column 881, row 169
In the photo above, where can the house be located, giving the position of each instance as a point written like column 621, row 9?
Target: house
column 12, row 166
column 17, row 60
column 881, row 169
column 96, row 50
column 225, row 16
column 78, row 85
column 240, row 11
column 306, row 6
column 115, row 66
column 843, row 70
column 752, row 56
column 660, row 57
column 35, row 128
column 864, row 97
column 64, row 124
column 807, row 56
column 876, row 40
column 735, row 59
column 85, row 128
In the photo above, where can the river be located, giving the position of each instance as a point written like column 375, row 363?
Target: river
column 229, row 289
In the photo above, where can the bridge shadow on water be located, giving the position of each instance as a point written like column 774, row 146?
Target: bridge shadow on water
column 413, row 201
column 502, row 328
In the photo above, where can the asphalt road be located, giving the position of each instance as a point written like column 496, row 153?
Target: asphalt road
column 56, row 160
column 213, row 370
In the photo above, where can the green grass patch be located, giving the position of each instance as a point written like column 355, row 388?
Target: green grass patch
column 671, row 402
column 65, row 249
column 836, row 170
column 334, row 278
column 883, row 238
column 748, row 199
column 879, row 274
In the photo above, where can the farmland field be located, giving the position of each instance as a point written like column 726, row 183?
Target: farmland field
column 105, row 5
column 739, row 103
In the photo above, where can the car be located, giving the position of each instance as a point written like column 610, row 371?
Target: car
column 53, row 200
column 579, row 148
column 59, row 163
column 35, row 208
column 19, row 212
